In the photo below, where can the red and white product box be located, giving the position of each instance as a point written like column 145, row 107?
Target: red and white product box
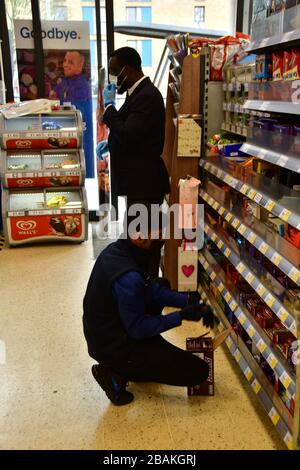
column 42, row 181
column 277, row 58
column 204, row 348
column 37, row 228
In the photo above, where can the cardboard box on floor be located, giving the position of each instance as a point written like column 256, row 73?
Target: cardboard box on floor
column 204, row 347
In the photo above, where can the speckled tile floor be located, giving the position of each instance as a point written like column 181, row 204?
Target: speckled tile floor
column 49, row 399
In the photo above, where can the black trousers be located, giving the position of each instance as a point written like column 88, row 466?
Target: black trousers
column 157, row 360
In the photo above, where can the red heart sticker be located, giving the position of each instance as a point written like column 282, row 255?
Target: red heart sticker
column 188, row 270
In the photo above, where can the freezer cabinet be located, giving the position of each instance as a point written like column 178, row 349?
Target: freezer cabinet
column 42, row 168
column 57, row 130
column 45, row 215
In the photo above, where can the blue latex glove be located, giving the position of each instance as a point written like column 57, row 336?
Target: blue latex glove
column 109, row 94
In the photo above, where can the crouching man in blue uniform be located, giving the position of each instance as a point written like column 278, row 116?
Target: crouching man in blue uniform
column 123, row 321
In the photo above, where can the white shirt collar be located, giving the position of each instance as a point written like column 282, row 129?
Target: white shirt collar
column 131, row 90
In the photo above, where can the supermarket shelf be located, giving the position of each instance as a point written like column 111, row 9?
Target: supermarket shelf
column 258, row 188
column 255, row 377
column 287, row 107
column 239, row 130
column 291, row 163
column 268, row 297
column 279, row 39
column 2, row 241
column 278, row 256
column 263, row 343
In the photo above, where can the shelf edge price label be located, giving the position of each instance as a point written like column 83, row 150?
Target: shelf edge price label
column 205, row 196
column 221, row 210
column 282, row 314
column 205, row 265
column 242, row 229
column 270, row 205
column 251, row 331
column 272, row 361
column 228, row 180
column 242, row 318
column 227, row 297
column 270, row 300
column 237, row 355
column 241, row 267
column 252, row 237
column 252, row 194
column 233, row 305
column 214, row 237
column 285, row 214
column 274, row 416
column 210, row 201
column 220, row 244
column 285, row 379
column 258, row 198
column 294, row 274
column 248, row 374
column 260, row 290
column 235, row 223
column 213, row 275
column 250, row 278
column 221, row 287
column 263, row 248
column 227, row 252
column 229, row 342
column 228, row 217
column 256, row 386
column 219, row 174
column 215, row 205
column 276, row 259
column 261, row 345
column 244, row 189
column 206, row 165
column 288, row 440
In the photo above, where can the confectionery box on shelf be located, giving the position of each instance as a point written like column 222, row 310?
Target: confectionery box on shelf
column 43, row 172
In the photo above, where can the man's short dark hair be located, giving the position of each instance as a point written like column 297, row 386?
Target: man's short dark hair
column 128, row 56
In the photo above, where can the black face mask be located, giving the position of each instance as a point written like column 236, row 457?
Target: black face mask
column 121, row 84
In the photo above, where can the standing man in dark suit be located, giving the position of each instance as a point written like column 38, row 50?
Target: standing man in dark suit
column 137, row 133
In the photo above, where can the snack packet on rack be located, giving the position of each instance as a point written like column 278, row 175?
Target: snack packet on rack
column 13, row 110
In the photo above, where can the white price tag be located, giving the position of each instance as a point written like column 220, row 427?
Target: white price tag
column 260, row 290
column 248, row 374
column 233, row 305
column 263, row 248
column 220, row 244
column 258, row 198
column 274, row 416
column 251, row 331
column 242, row 229
column 270, row 205
column 252, row 194
column 252, row 237
column 282, row 161
column 285, row 215
column 261, row 345
column 241, row 267
column 276, row 259
column 285, row 379
column 272, row 361
column 294, row 274
column 244, row 189
column 270, row 300
column 250, row 278
column 282, row 314
column 256, row 386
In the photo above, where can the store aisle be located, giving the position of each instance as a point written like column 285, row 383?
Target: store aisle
column 49, row 399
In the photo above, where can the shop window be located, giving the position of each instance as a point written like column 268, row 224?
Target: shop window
column 199, row 15
column 61, row 13
column 144, row 48
column 139, row 14
column 88, row 14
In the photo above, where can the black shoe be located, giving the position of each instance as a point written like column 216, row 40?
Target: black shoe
column 114, row 386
